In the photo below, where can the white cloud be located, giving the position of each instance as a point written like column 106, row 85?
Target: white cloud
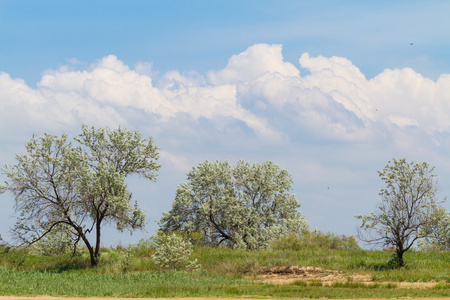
column 408, row 95
column 255, row 61
column 331, row 101
column 336, row 100
column 109, row 83
column 339, row 78
column 23, row 108
column 257, row 88
column 107, row 92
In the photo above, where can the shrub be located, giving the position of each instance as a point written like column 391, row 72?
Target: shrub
column 126, row 262
column 172, row 252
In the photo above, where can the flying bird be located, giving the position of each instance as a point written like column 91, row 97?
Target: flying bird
column 411, row 44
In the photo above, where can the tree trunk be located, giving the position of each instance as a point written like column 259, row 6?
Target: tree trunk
column 400, row 258
column 94, row 258
column 92, row 254
column 97, row 242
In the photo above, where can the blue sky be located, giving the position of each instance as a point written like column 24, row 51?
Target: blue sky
column 329, row 90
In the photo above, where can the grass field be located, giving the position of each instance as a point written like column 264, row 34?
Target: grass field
column 224, row 273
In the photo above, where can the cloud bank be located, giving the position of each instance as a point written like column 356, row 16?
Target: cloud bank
column 256, row 88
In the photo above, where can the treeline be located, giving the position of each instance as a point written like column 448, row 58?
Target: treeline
column 65, row 190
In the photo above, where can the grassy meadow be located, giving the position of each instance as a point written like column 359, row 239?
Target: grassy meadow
column 131, row 272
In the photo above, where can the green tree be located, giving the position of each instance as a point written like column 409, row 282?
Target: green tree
column 408, row 208
column 81, row 186
column 245, row 206
column 439, row 239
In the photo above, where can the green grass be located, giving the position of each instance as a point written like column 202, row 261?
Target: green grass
column 179, row 284
column 420, row 266
column 183, row 284
column 224, row 273
column 89, row 283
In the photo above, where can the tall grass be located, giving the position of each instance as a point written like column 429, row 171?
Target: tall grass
column 90, row 283
column 181, row 284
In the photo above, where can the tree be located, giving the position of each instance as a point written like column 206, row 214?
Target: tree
column 439, row 239
column 408, row 208
column 80, row 186
column 246, row 206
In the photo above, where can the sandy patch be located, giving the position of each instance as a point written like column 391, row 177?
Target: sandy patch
column 290, row 274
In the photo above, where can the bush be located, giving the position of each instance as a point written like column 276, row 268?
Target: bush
column 315, row 239
column 172, row 252
column 126, row 263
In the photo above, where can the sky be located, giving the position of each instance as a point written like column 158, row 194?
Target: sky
column 331, row 91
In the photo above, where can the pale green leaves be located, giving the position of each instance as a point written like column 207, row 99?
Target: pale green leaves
column 44, row 183
column 439, row 232
column 172, row 252
column 245, row 206
column 80, row 186
column 408, row 208
column 121, row 150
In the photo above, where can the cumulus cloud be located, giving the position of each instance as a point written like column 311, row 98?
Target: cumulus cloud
column 336, row 100
column 406, row 98
column 109, row 91
column 23, row 107
column 256, row 88
column 110, row 83
column 255, row 61
column 400, row 97
column 331, row 102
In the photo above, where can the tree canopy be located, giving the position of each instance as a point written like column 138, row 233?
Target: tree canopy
column 81, row 186
column 439, row 237
column 408, row 209
column 245, row 206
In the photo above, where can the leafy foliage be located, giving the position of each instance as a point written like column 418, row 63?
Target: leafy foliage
column 439, row 239
column 245, row 206
column 172, row 252
column 408, row 208
column 81, row 187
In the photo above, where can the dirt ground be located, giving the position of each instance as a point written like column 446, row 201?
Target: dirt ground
column 289, row 274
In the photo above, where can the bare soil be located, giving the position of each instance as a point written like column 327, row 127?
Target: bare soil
column 290, row 274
